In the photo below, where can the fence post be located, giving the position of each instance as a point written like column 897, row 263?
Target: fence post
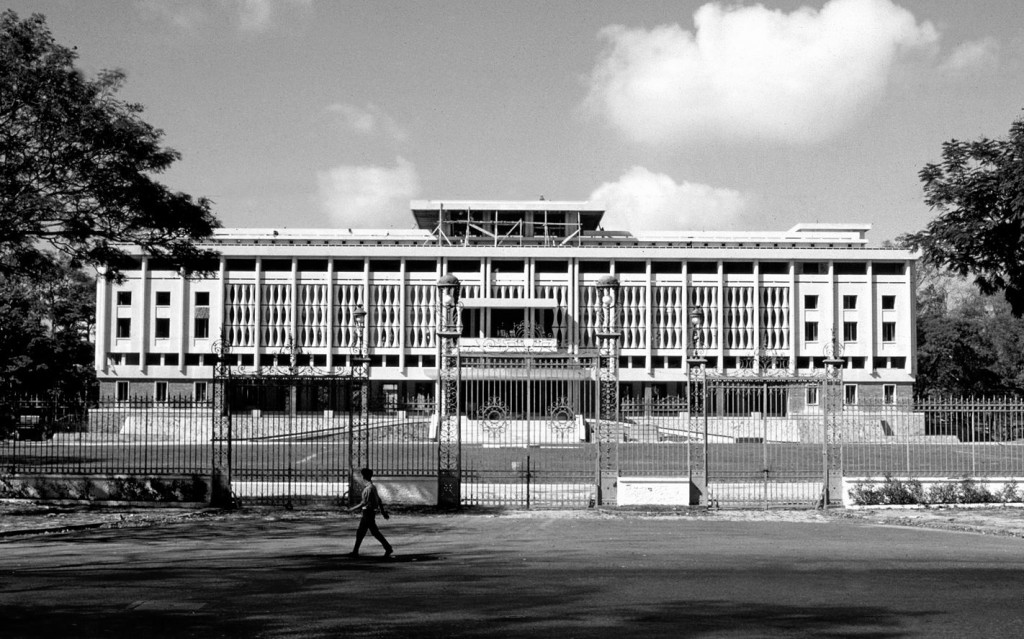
column 832, row 441
column 220, row 489
column 449, row 427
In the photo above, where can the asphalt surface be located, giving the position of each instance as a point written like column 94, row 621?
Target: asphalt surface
column 534, row 574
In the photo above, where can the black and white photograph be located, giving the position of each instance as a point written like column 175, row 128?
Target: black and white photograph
column 533, row 318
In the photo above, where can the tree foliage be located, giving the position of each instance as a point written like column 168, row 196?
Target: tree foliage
column 77, row 164
column 968, row 343
column 46, row 326
column 978, row 192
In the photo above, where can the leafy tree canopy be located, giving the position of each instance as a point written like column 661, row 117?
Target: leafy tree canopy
column 76, row 165
column 46, row 324
column 978, row 192
column 969, row 344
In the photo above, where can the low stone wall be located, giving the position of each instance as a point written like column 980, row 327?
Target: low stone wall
column 111, row 488
column 855, row 426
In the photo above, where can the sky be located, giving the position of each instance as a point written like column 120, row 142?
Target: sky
column 674, row 115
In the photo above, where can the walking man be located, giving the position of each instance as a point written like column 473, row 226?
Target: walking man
column 370, row 503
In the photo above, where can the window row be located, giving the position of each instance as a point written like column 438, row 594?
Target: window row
column 163, row 298
column 123, row 392
column 162, row 328
column 811, row 333
column 851, row 394
column 888, row 302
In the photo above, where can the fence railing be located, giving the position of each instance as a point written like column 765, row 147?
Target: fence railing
column 139, row 436
column 932, row 437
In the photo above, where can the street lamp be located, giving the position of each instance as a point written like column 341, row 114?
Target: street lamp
column 360, row 380
column 449, row 435
column 696, row 373
column 608, row 333
column 449, row 289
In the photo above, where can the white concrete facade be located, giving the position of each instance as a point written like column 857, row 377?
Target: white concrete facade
column 528, row 270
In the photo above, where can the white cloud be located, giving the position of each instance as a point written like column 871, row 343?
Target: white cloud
column 259, row 15
column 368, row 120
column 641, row 200
column 254, row 16
column 753, row 73
column 368, row 196
column 971, row 55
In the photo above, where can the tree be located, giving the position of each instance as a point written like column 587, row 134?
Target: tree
column 46, row 324
column 968, row 343
column 978, row 192
column 76, row 165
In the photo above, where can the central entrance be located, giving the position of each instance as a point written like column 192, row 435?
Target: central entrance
column 527, row 430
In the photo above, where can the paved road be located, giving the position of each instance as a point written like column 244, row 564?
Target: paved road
column 528, row 575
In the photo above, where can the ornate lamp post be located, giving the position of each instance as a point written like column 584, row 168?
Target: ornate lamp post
column 449, row 432
column 358, row 453
column 696, row 378
column 608, row 333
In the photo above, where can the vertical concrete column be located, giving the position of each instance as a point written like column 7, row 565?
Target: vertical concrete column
column 756, row 319
column 720, row 312
column 910, row 318
column 403, row 316
column 795, row 326
column 144, row 305
column 257, row 343
column 870, row 311
column 649, row 319
column 103, row 323
column 186, row 304
column 330, row 304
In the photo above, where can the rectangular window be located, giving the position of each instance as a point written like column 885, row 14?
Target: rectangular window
column 124, row 327
column 202, row 298
column 163, row 327
column 888, row 302
column 160, row 391
column 810, row 331
column 812, row 395
column 849, row 331
column 163, row 298
column 122, row 391
column 199, row 392
column 850, row 393
column 888, row 393
column 810, row 302
column 201, row 329
column 888, row 331
column 124, row 298
column 849, row 302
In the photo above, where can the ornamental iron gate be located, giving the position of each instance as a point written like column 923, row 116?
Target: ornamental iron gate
column 526, row 431
column 294, row 438
column 772, row 441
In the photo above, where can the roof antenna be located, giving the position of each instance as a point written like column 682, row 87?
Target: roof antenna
column 542, row 198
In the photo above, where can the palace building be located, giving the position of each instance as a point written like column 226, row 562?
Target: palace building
column 748, row 303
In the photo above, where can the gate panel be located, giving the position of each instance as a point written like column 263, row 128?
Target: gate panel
column 526, row 432
column 764, row 442
column 288, row 438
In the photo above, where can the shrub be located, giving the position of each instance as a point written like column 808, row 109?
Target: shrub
column 865, row 494
column 971, row 493
column 942, row 493
column 892, row 491
column 1009, row 493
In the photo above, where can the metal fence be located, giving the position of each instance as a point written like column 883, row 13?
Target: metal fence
column 935, row 437
column 763, row 448
column 139, row 436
